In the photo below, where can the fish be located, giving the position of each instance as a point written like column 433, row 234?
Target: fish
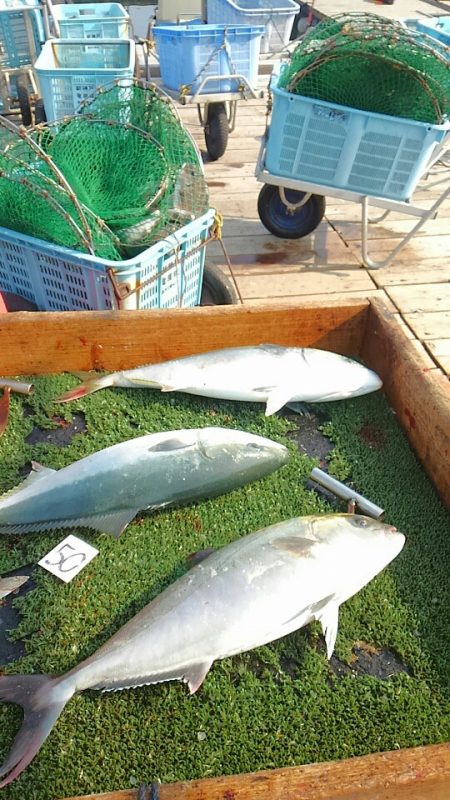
column 106, row 490
column 266, row 373
column 253, row 591
column 11, row 584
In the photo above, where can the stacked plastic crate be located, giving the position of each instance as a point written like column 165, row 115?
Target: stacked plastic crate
column 93, row 49
column 93, row 53
column 202, row 57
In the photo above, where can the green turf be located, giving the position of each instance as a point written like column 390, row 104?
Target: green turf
column 282, row 704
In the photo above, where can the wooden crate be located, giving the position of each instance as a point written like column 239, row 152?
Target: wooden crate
column 39, row 343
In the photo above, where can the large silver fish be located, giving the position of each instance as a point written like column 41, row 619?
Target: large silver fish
column 104, row 491
column 267, row 373
column 255, row 590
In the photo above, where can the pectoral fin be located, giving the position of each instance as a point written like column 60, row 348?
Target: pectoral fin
column 295, row 546
column 328, row 617
column 276, row 399
column 37, row 473
column 196, row 674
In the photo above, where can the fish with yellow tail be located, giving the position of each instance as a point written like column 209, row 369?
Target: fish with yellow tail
column 249, row 593
column 266, row 373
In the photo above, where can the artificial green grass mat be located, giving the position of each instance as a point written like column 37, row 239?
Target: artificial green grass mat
column 281, row 704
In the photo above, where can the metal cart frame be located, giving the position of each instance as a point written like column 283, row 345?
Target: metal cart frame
column 24, row 74
column 312, row 190
column 218, row 115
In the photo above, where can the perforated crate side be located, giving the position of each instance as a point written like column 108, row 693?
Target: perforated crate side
column 345, row 148
column 59, row 279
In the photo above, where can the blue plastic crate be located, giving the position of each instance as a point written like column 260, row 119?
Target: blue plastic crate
column 277, row 16
column 436, row 27
column 190, row 53
column 332, row 145
column 19, row 47
column 70, row 70
column 92, row 21
column 166, row 275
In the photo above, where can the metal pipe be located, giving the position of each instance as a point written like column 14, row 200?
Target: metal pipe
column 343, row 491
column 17, row 386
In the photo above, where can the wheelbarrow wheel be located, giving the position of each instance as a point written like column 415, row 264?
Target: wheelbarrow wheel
column 217, row 289
column 276, row 217
column 24, row 100
column 216, row 130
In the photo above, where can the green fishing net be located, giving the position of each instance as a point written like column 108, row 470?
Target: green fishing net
column 373, row 64
column 185, row 195
column 111, row 180
column 36, row 200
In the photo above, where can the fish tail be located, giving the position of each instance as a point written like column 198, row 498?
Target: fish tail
column 42, row 699
column 87, row 387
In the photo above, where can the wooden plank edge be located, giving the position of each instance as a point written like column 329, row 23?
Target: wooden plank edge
column 419, row 773
column 46, row 342
column 420, row 396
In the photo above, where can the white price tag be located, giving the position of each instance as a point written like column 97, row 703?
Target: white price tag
column 68, row 558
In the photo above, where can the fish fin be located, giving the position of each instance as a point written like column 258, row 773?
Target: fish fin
column 296, row 546
column 196, row 558
column 276, row 399
column 42, row 701
column 113, row 523
column 11, row 584
column 328, row 617
column 37, row 473
column 169, row 445
column 299, row 408
column 166, row 387
column 196, row 674
column 87, row 387
column 4, row 409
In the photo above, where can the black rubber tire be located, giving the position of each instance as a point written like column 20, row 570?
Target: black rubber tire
column 217, row 289
column 39, row 112
column 275, row 217
column 216, row 130
column 24, row 100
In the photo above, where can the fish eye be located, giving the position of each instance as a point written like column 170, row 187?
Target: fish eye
column 253, row 446
column 361, row 522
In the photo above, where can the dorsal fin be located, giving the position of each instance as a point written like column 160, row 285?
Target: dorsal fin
column 37, row 473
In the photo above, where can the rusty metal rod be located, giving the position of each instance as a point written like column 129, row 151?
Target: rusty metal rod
column 343, row 491
column 16, row 386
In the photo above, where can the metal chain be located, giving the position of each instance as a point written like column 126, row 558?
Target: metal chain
column 187, row 87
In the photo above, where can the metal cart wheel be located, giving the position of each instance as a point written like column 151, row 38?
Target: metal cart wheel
column 289, row 214
column 216, row 130
column 24, row 99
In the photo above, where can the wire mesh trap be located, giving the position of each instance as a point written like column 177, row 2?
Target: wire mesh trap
column 112, row 180
column 373, row 64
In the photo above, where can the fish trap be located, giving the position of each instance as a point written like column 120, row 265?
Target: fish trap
column 372, row 64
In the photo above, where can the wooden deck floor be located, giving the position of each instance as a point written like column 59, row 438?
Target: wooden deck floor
column 328, row 262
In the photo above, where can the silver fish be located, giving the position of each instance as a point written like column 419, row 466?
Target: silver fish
column 104, row 491
column 257, row 589
column 11, row 584
column 266, row 373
